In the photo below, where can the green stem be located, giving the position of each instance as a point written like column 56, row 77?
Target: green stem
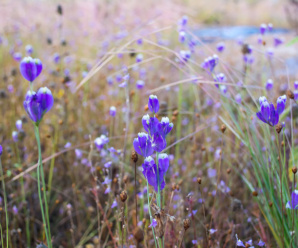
column 150, row 215
column 40, row 169
column 5, row 204
column 161, row 244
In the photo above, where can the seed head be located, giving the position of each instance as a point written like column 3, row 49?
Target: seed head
column 278, row 128
column 223, row 128
column 59, row 10
column 294, row 170
column 199, row 180
column 255, row 193
column 134, row 156
column 123, row 196
column 290, row 94
column 186, row 224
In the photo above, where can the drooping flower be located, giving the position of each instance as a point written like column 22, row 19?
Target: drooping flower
column 261, row 243
column 112, row 111
column 46, row 99
column 281, row 104
column 1, row 150
column 139, row 58
column 158, row 142
column 150, row 170
column 268, row 114
column 143, row 145
column 29, row 49
column 181, row 36
column 269, row 84
column 293, row 204
column 164, row 127
column 277, row 41
column 220, row 78
column 263, row 28
column 30, row 68
column 19, row 124
column 150, row 124
column 140, row 84
column 153, row 223
column 153, row 104
column 15, row 136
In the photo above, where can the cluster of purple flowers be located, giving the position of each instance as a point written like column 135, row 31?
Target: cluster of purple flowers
column 35, row 104
column 268, row 113
column 296, row 90
column 264, row 28
column 154, row 141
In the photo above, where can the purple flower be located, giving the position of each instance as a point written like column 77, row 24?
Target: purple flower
column 143, row 145
column 185, row 55
column 240, row 243
column 181, row 36
column 249, row 242
column 270, row 27
column 295, row 95
column 158, row 142
column 15, row 209
column 17, row 56
column 268, row 114
column 153, row 223
column 238, row 98
column 112, row 111
column 296, row 85
column 67, row 145
column 29, row 49
column 150, row 170
column 150, row 124
column 153, row 104
column 56, row 58
column 36, row 105
column 108, row 164
column 164, row 127
column 30, row 68
column 1, row 150
column 281, row 104
column 15, row 136
column 293, row 204
column 261, row 243
column 139, row 58
column 277, row 41
column 114, row 204
column 263, row 28
column 220, row 47
column 101, row 141
column 19, row 125
column 46, row 99
column 221, row 78
column 210, row 63
column 78, row 153
column 140, row 84
column 211, row 231
column 269, row 84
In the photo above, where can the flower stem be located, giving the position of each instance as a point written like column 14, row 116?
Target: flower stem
column 151, row 215
column 46, row 221
column 5, row 203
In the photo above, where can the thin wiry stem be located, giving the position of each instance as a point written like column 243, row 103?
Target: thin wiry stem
column 5, row 203
column 39, row 169
column 136, row 199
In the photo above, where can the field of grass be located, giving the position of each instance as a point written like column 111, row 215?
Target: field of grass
column 145, row 135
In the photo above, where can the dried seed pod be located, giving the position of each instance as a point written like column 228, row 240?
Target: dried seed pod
column 255, row 193
column 199, row 180
column 123, row 196
column 59, row 10
column 138, row 234
column 223, row 128
column 186, row 224
column 134, row 156
column 229, row 170
column 294, row 170
column 290, row 94
column 278, row 128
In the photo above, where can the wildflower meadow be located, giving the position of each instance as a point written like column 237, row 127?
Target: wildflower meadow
column 149, row 124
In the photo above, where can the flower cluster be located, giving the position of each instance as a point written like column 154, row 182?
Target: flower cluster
column 154, row 141
column 268, row 114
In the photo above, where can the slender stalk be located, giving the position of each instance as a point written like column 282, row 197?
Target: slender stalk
column 293, row 215
column 281, row 198
column 151, row 215
column 45, row 215
column 136, row 199
column 158, row 195
column 5, row 203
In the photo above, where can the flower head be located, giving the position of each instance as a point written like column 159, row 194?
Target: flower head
column 30, row 68
column 150, row 124
column 153, row 104
column 164, row 127
column 101, row 141
column 293, row 204
column 269, row 84
column 112, row 111
column 210, row 63
column 143, row 145
column 37, row 104
column 268, row 114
